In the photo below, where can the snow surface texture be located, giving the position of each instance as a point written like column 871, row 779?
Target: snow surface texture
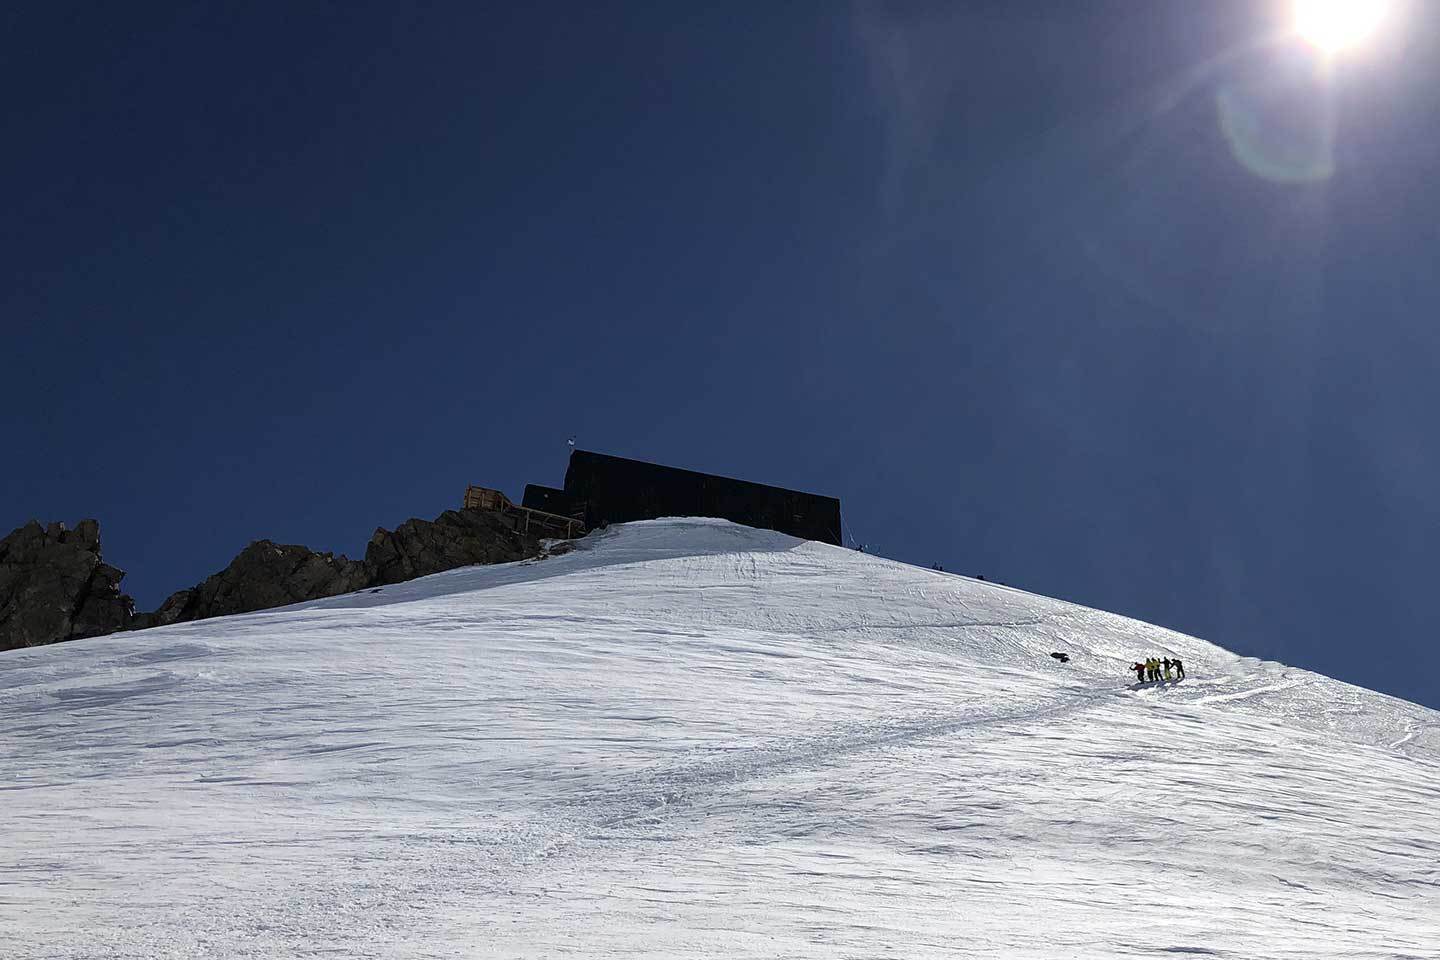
column 688, row 738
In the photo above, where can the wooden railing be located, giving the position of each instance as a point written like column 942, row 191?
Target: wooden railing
column 526, row 519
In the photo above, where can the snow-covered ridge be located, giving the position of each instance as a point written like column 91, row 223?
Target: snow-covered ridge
column 690, row 738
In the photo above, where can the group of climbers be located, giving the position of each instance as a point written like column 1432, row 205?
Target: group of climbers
column 1157, row 669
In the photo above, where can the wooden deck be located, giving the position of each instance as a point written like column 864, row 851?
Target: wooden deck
column 536, row 522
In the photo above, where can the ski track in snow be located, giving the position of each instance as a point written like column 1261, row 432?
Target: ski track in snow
column 1252, row 692
column 689, row 738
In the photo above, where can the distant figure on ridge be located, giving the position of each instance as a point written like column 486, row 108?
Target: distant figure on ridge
column 1156, row 670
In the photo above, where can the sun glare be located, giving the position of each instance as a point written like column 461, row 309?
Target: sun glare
column 1335, row 25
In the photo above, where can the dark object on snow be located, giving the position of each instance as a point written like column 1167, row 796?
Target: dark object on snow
column 1139, row 669
column 936, row 566
column 54, row 586
column 1062, row 657
column 601, row 489
column 1179, row 669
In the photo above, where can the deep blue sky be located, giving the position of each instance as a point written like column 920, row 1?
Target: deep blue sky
column 1128, row 303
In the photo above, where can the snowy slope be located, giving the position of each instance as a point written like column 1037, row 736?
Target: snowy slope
column 690, row 738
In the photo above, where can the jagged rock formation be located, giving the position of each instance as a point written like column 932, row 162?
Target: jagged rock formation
column 265, row 574
column 54, row 586
column 456, row 538
column 268, row 574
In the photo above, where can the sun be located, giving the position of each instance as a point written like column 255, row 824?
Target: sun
column 1335, row 25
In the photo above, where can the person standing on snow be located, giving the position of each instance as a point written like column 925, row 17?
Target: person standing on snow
column 1179, row 669
column 1139, row 669
column 1167, row 668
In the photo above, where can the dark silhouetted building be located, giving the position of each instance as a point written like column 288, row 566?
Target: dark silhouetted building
column 601, row 489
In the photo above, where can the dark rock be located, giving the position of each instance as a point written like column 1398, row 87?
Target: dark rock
column 264, row 575
column 54, row 586
column 170, row 611
column 267, row 574
column 456, row 538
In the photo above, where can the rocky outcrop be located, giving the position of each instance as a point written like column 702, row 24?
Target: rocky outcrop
column 268, row 574
column 263, row 575
column 54, row 586
column 456, row 538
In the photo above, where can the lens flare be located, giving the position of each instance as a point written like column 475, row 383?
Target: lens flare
column 1281, row 132
column 1335, row 25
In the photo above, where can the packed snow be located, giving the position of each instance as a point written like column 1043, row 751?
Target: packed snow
column 687, row 738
